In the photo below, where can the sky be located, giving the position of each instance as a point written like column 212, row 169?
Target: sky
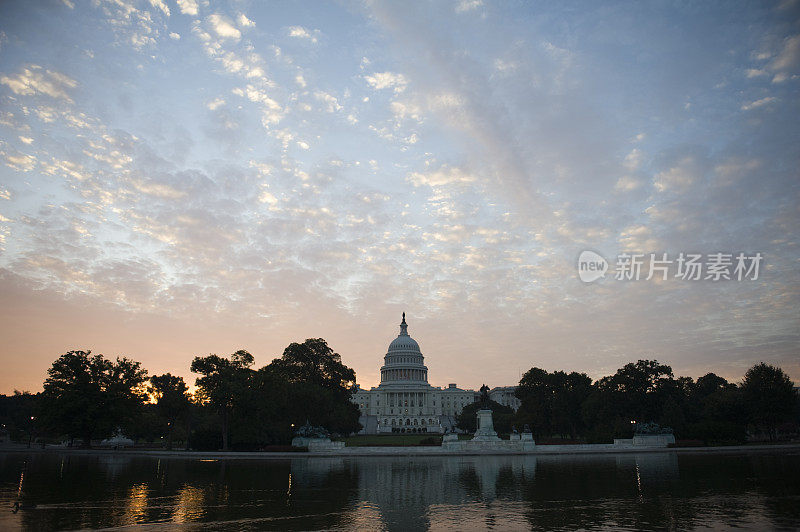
column 179, row 178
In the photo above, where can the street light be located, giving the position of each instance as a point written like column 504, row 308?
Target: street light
column 30, row 433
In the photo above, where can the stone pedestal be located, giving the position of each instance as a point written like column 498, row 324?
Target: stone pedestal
column 450, row 437
column 317, row 444
column 450, row 442
column 485, row 432
column 653, row 440
column 526, row 440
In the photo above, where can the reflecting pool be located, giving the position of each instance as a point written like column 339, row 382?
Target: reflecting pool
column 759, row 490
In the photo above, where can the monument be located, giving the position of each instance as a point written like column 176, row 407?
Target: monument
column 315, row 439
column 485, row 432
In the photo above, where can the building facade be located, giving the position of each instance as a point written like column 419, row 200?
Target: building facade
column 405, row 402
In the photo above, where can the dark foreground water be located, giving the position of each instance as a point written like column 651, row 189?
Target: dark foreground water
column 758, row 491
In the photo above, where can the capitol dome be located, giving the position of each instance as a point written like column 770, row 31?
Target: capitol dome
column 404, row 342
column 404, row 361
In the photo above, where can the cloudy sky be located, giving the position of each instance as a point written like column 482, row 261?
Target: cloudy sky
column 187, row 177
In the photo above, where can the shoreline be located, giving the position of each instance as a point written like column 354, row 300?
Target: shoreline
column 357, row 452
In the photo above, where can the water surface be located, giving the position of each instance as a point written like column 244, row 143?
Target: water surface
column 759, row 490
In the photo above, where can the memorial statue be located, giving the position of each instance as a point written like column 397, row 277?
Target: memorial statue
column 514, row 429
column 484, row 396
column 309, row 431
column 527, row 428
column 651, row 428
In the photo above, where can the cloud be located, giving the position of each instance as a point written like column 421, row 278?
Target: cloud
column 633, row 160
column 444, row 175
column 174, row 36
column 331, row 103
column 406, row 109
column 387, row 80
column 158, row 190
column 468, row 5
column 504, row 67
column 638, row 239
column 64, row 168
column 627, row 184
column 300, row 32
column 787, row 62
column 758, row 103
column 159, row 4
column 215, row 104
column 679, row 177
column 244, row 22
column 188, row 7
column 132, row 25
column 33, row 80
column 18, row 161
column 223, row 27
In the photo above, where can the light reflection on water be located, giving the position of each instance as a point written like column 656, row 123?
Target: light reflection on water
column 613, row 492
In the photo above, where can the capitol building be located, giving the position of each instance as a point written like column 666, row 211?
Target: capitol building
column 405, row 402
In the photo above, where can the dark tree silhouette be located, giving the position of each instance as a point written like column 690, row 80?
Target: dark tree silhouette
column 769, row 397
column 319, row 386
column 223, row 382
column 172, row 403
column 316, row 363
column 88, row 396
column 552, row 402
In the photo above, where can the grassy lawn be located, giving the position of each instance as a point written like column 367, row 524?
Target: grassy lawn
column 362, row 440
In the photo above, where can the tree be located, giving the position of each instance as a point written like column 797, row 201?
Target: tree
column 769, row 397
column 569, row 391
column 318, row 388
column 635, row 390
column 552, row 402
column 314, row 362
column 19, row 415
column 88, row 396
column 223, row 383
column 534, row 395
column 708, row 384
column 172, row 403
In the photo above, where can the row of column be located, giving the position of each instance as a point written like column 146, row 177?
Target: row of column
column 403, row 374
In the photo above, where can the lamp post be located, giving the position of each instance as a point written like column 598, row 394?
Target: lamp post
column 30, row 432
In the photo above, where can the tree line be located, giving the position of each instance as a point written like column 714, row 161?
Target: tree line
column 711, row 410
column 89, row 397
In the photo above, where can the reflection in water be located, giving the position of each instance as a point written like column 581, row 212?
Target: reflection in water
column 623, row 491
column 136, row 504
column 189, row 504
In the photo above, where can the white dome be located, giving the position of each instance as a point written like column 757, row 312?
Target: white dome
column 404, row 363
column 404, row 343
